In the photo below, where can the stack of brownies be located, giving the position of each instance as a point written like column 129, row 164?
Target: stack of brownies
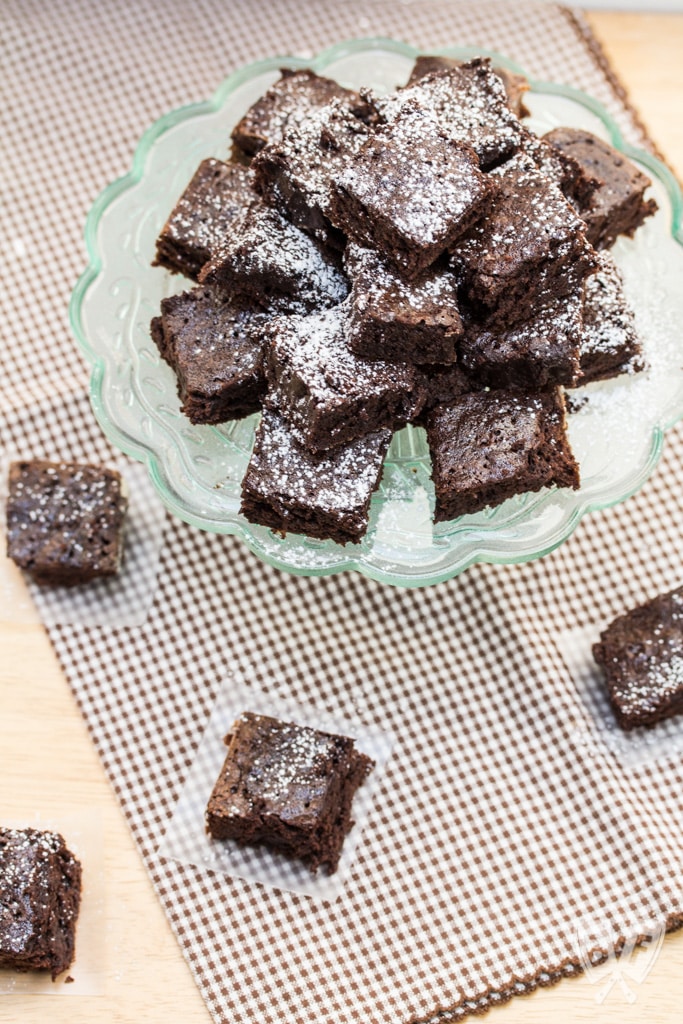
column 365, row 261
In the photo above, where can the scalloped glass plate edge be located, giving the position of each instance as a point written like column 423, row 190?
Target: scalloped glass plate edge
column 138, row 450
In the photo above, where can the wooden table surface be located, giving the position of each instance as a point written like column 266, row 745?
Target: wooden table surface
column 49, row 764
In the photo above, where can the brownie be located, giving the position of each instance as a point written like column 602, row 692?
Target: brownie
column 529, row 249
column 287, row 787
column 443, row 384
column 515, row 85
column 489, row 445
column 274, row 263
column 469, row 104
column 610, row 344
column 535, row 353
column 214, row 345
column 204, row 215
column 410, row 192
column 324, row 495
column 618, row 206
column 65, row 520
column 397, row 320
column 291, row 100
column 327, row 394
column 296, row 173
column 641, row 655
column 40, row 895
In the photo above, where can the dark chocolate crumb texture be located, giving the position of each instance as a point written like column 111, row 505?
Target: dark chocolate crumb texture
column 40, row 894
column 65, row 520
column 369, row 261
column 287, row 787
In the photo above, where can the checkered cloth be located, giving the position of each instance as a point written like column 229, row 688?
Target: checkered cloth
column 501, row 822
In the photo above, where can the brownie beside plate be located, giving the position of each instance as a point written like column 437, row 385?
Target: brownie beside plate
column 65, row 520
column 641, row 655
column 287, row 787
column 40, row 895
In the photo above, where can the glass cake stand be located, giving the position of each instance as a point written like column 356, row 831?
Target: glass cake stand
column 616, row 433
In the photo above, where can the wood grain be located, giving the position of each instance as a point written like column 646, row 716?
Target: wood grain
column 48, row 763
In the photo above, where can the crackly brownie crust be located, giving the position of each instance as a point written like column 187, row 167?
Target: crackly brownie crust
column 40, row 892
column 329, row 395
column 274, row 263
column 575, row 180
column 288, row 787
column 610, row 344
column 490, row 445
column 397, row 320
column 618, row 206
column 469, row 104
column 535, row 353
column 214, row 345
column 529, row 249
column 410, row 192
column 324, row 495
column 641, row 655
column 296, row 173
column 291, row 100
column 515, row 85
column 65, row 520
column 203, row 217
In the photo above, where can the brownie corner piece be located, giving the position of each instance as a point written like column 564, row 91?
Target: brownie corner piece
column 410, row 192
column 65, row 520
column 207, row 210
column 325, row 495
column 641, row 655
column 287, row 787
column 214, row 344
column 490, row 445
column 40, row 893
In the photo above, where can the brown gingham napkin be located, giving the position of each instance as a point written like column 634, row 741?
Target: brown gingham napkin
column 503, row 826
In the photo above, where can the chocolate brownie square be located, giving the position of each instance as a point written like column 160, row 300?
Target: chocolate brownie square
column 618, row 206
column 397, row 320
column 410, row 192
column 641, row 655
column 324, row 495
column 65, row 520
column 610, row 344
column 489, row 445
column 296, row 173
column 515, row 85
column 274, row 263
column 291, row 100
column 529, row 249
column 214, row 345
column 536, row 353
column 40, row 895
column 327, row 394
column 443, row 384
column 469, row 104
column 287, row 787
column 575, row 180
column 203, row 217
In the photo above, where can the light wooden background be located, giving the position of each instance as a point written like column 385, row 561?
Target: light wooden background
column 47, row 762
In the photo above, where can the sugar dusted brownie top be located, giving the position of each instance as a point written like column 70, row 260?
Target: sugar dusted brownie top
column 291, row 100
column 40, row 892
column 325, row 494
column 610, row 344
column 65, row 520
column 470, row 105
column 641, row 654
column 206, row 212
column 515, row 85
column 287, row 786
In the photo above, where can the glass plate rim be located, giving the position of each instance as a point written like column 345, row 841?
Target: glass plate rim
column 137, row 449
